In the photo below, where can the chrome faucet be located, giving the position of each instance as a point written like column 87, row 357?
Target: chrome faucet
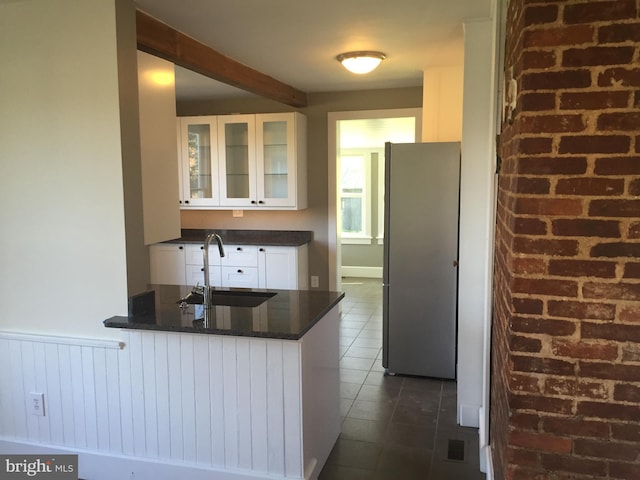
column 206, row 291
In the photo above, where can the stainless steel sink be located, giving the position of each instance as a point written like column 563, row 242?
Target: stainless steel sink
column 229, row 298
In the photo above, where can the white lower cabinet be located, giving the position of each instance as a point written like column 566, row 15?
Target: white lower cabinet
column 243, row 266
column 167, row 262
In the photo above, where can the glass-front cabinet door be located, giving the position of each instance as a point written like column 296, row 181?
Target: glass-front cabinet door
column 236, row 152
column 275, row 159
column 199, row 166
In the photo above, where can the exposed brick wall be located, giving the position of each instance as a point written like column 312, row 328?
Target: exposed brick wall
column 566, row 339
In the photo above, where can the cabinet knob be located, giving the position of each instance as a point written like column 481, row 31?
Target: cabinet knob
column 186, row 201
column 238, row 249
column 253, row 202
column 261, row 202
column 239, row 271
column 202, row 269
column 180, row 247
column 261, row 249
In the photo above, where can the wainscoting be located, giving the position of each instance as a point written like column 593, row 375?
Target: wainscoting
column 227, row 404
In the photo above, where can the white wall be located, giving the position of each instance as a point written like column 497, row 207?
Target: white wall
column 63, row 259
column 442, row 104
column 477, row 206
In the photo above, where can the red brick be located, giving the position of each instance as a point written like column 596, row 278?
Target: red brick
column 543, row 326
column 596, row 56
column 535, row 145
column 531, row 306
column 539, row 14
column 525, row 344
column 634, row 230
column 558, row 36
column 626, row 393
column 608, row 410
column 617, row 249
column 619, row 77
column 538, row 59
column 609, row 331
column 630, row 352
column 525, row 421
column 619, row 121
column 594, row 11
column 553, row 165
column 524, row 383
column 581, row 310
column 594, row 350
column 619, row 33
column 629, row 433
column 575, row 427
column 558, row 288
column 630, row 313
column 549, row 206
column 632, row 270
column 556, row 80
column 551, row 366
column 528, row 266
column 537, row 403
column 610, row 371
column 594, row 144
column 575, row 388
column 533, row 186
column 617, row 166
column 580, row 466
column 624, row 471
column 529, row 226
column 550, row 123
column 614, row 208
column 634, row 187
column 594, row 100
column 582, row 268
column 609, row 450
column 590, row 186
column 611, row 291
column 522, row 457
column 542, row 246
column 541, row 441
column 586, row 228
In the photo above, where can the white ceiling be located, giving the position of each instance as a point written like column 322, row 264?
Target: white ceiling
column 296, row 41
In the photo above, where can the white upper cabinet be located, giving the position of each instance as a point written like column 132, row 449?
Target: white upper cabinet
column 260, row 162
column 281, row 160
column 199, row 162
column 237, row 153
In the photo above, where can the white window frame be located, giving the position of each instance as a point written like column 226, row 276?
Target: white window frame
column 364, row 237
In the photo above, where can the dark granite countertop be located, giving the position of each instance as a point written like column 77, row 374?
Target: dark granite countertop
column 286, row 238
column 287, row 314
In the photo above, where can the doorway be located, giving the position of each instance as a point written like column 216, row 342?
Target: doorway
column 356, row 198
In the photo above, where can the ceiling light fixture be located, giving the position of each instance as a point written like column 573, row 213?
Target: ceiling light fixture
column 361, row 62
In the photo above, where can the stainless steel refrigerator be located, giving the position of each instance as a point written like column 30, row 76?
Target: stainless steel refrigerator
column 420, row 274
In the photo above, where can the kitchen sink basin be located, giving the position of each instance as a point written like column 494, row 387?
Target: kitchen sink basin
column 230, row 298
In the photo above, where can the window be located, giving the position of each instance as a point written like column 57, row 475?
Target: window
column 355, row 179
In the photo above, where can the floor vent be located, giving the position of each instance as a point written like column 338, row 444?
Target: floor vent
column 455, row 450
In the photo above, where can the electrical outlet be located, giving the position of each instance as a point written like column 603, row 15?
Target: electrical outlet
column 238, row 213
column 36, row 403
column 315, row 281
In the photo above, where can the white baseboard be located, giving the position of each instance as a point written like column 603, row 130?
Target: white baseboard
column 361, row 272
column 97, row 466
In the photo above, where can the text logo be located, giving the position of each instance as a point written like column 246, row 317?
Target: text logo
column 55, row 467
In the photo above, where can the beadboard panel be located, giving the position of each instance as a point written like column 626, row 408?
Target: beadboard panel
column 222, row 403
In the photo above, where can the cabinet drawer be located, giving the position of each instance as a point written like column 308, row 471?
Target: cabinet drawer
column 195, row 275
column 195, row 254
column 246, row 277
column 240, row 256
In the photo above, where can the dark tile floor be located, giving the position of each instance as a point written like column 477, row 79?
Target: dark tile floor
column 393, row 427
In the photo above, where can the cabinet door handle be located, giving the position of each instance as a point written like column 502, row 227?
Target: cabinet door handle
column 262, row 249
column 253, row 202
column 186, row 201
column 261, row 202
column 239, row 271
column 202, row 269
column 180, row 247
column 238, row 249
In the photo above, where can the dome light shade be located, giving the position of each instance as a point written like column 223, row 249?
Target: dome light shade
column 361, row 62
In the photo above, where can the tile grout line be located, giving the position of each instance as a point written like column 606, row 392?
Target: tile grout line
column 435, row 434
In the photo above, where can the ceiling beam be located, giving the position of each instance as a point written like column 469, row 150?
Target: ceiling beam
column 160, row 39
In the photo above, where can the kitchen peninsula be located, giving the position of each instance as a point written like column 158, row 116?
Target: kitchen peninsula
column 253, row 395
